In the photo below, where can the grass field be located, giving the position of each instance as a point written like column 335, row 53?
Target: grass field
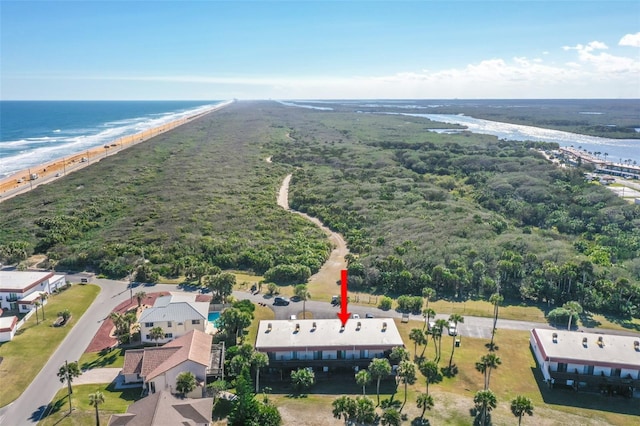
column 36, row 343
column 83, row 414
column 102, row 359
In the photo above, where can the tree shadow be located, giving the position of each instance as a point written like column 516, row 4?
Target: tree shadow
column 449, row 372
column 588, row 321
column 417, row 421
column 493, row 347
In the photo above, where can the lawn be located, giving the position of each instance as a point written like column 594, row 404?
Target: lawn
column 102, row 359
column 37, row 342
column 83, row 414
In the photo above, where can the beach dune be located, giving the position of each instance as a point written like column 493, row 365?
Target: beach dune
column 30, row 178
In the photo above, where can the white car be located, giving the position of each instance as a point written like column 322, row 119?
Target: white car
column 452, row 329
column 355, row 316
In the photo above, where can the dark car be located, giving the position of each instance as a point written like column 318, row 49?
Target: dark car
column 280, row 301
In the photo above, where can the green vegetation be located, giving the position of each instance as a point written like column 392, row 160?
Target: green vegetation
column 84, row 413
column 198, row 198
column 37, row 342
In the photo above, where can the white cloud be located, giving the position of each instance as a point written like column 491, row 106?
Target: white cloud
column 630, row 40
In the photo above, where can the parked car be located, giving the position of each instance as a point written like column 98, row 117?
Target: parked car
column 280, row 301
column 368, row 315
column 452, row 329
column 355, row 316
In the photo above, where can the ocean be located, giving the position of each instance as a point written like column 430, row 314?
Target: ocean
column 36, row 132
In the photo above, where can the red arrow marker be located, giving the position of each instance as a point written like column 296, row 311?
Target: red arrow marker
column 343, row 314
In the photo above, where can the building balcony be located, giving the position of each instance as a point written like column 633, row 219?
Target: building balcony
column 319, row 363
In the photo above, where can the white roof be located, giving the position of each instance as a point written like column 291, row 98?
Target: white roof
column 6, row 322
column 31, row 297
column 327, row 334
column 175, row 307
column 615, row 351
column 20, row 280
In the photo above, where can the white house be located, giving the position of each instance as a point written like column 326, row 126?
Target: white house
column 177, row 314
column 8, row 328
column 17, row 288
column 324, row 343
column 604, row 362
column 158, row 367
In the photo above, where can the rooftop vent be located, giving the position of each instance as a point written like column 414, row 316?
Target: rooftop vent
column 600, row 341
column 314, row 326
column 636, row 345
column 297, row 328
column 555, row 337
column 384, row 326
column 584, row 342
column 269, row 327
column 358, row 326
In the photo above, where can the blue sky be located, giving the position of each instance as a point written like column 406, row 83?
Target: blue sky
column 319, row 50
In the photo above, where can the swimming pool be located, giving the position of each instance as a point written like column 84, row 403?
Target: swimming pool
column 213, row 316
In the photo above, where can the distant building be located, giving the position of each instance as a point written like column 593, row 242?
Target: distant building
column 177, row 314
column 589, row 361
column 164, row 409
column 324, row 343
column 157, row 367
column 19, row 289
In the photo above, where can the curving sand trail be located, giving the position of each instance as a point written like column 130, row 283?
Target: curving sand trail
column 324, row 281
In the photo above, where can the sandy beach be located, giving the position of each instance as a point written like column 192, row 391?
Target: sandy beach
column 27, row 179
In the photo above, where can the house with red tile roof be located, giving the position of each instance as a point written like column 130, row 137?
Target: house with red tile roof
column 158, row 367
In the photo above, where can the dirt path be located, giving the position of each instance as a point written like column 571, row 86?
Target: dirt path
column 323, row 283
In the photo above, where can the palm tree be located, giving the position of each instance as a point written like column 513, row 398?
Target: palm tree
column 185, row 383
column 455, row 319
column 156, row 333
column 487, row 363
column 428, row 313
column 407, row 373
column 43, row 297
column 574, row 308
column 429, row 370
column 140, row 297
column 259, row 360
column 363, row 378
column 427, row 293
column 37, row 305
column 436, row 332
column 485, row 401
column 378, row 369
column 425, row 401
column 67, row 373
column 344, row 406
column 495, row 299
column 520, row 406
column 418, row 338
column 303, row 294
column 391, row 417
column 95, row 399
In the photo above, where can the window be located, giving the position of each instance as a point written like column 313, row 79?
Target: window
column 195, row 322
column 148, row 324
column 148, row 337
column 169, row 324
column 168, row 336
column 615, row 372
column 587, row 369
column 562, row 367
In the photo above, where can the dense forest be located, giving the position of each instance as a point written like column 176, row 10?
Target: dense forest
column 464, row 214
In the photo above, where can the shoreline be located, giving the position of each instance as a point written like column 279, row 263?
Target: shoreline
column 21, row 182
